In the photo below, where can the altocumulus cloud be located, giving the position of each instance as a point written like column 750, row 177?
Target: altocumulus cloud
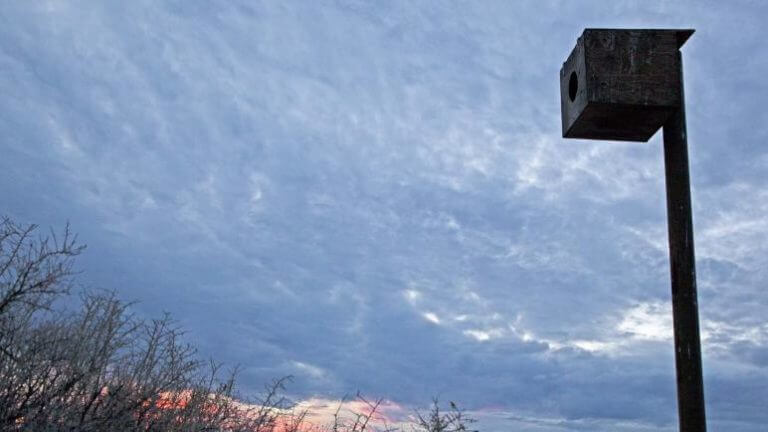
column 375, row 196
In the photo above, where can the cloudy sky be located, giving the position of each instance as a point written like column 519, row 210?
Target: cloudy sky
column 376, row 196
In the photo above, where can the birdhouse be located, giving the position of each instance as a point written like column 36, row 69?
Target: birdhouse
column 621, row 84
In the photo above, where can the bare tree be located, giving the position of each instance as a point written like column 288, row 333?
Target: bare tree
column 33, row 272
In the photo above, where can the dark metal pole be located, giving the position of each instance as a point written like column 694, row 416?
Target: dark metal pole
column 690, row 387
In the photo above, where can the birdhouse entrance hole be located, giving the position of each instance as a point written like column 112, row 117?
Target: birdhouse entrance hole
column 573, row 86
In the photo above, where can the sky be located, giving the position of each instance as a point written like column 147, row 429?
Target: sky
column 376, row 196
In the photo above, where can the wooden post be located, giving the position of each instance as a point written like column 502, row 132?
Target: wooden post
column 690, row 386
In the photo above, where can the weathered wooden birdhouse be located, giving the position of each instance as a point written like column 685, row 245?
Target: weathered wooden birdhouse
column 621, row 84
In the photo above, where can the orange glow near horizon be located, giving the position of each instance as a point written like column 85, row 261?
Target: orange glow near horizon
column 319, row 414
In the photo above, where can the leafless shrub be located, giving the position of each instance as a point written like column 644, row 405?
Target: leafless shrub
column 97, row 367
column 362, row 419
column 436, row 420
